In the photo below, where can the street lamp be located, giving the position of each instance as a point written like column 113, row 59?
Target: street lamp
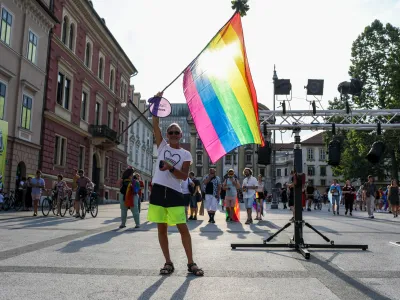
column 274, row 204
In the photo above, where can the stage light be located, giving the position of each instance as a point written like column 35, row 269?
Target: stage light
column 354, row 87
column 282, row 87
column 315, row 87
column 334, row 152
column 376, row 153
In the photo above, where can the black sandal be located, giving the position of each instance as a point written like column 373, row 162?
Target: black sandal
column 195, row 271
column 168, row 269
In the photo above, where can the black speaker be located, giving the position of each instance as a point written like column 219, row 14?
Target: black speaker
column 264, row 154
column 334, row 153
column 376, row 152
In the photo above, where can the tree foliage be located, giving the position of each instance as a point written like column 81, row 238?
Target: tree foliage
column 240, row 6
column 375, row 59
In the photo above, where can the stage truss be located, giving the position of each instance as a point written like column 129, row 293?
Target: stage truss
column 363, row 119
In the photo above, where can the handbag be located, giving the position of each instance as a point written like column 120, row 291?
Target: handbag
column 201, row 210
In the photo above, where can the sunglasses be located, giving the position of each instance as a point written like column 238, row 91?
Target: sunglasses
column 174, row 132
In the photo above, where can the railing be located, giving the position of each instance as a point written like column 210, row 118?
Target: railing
column 103, row 131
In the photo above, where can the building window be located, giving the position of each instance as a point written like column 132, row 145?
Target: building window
column 6, row 23
column 262, row 172
column 199, row 144
column 97, row 113
column 286, row 173
column 323, row 170
column 199, row 158
column 121, row 127
column 311, row 182
column 60, row 150
column 228, row 159
column 109, row 119
column 2, row 99
column 279, row 172
column 81, row 158
column 106, row 195
column 323, row 182
column 199, row 172
column 83, row 106
column 119, row 170
column 88, row 55
column 107, row 168
column 137, row 155
column 310, row 171
column 322, row 154
column 112, row 80
column 142, row 160
column 248, row 158
column 234, row 159
column 63, row 90
column 71, row 37
column 101, row 68
column 64, row 30
column 26, row 112
column 32, row 47
column 310, row 154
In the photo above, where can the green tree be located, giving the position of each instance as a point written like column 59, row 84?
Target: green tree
column 376, row 62
column 240, row 6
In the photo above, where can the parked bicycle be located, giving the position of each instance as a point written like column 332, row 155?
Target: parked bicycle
column 49, row 202
column 67, row 204
column 11, row 200
column 90, row 203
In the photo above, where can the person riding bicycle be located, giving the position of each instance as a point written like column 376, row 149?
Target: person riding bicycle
column 82, row 183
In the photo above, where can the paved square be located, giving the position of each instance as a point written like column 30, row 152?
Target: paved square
column 68, row 258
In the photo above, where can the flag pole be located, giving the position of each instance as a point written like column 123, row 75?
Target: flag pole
column 176, row 78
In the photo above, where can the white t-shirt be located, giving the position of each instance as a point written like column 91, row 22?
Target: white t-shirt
column 260, row 187
column 185, row 186
column 175, row 157
column 250, row 181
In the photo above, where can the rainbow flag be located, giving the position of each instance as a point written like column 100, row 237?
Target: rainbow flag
column 220, row 93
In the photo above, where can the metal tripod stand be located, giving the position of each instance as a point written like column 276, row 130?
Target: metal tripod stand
column 297, row 242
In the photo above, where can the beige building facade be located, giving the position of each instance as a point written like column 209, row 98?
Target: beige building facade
column 25, row 26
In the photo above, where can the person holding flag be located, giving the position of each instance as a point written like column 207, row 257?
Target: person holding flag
column 230, row 185
column 167, row 205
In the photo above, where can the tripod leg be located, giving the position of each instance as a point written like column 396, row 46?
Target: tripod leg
column 278, row 232
column 319, row 233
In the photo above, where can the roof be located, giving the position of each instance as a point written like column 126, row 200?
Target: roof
column 317, row 139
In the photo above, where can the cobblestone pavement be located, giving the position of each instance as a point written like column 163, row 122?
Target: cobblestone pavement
column 68, row 258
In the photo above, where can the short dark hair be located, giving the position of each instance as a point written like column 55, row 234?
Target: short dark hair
column 60, row 176
column 81, row 171
column 370, row 176
column 191, row 173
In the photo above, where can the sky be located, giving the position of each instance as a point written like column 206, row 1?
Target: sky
column 308, row 39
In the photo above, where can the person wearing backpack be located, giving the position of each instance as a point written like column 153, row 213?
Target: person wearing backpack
column 187, row 187
column 129, row 198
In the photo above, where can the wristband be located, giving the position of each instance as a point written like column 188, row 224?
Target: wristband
column 172, row 169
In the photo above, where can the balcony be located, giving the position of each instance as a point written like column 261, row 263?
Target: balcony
column 199, row 163
column 103, row 136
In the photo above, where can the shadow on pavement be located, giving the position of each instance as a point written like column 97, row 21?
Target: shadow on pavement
column 43, row 222
column 180, row 293
column 362, row 288
column 151, row 290
column 101, row 238
column 211, row 231
column 238, row 229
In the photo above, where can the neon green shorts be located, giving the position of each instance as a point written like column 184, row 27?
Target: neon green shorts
column 169, row 215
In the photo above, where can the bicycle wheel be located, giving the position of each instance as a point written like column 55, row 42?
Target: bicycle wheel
column 54, row 206
column 46, row 206
column 83, row 209
column 6, row 205
column 64, row 207
column 71, row 208
column 94, row 206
